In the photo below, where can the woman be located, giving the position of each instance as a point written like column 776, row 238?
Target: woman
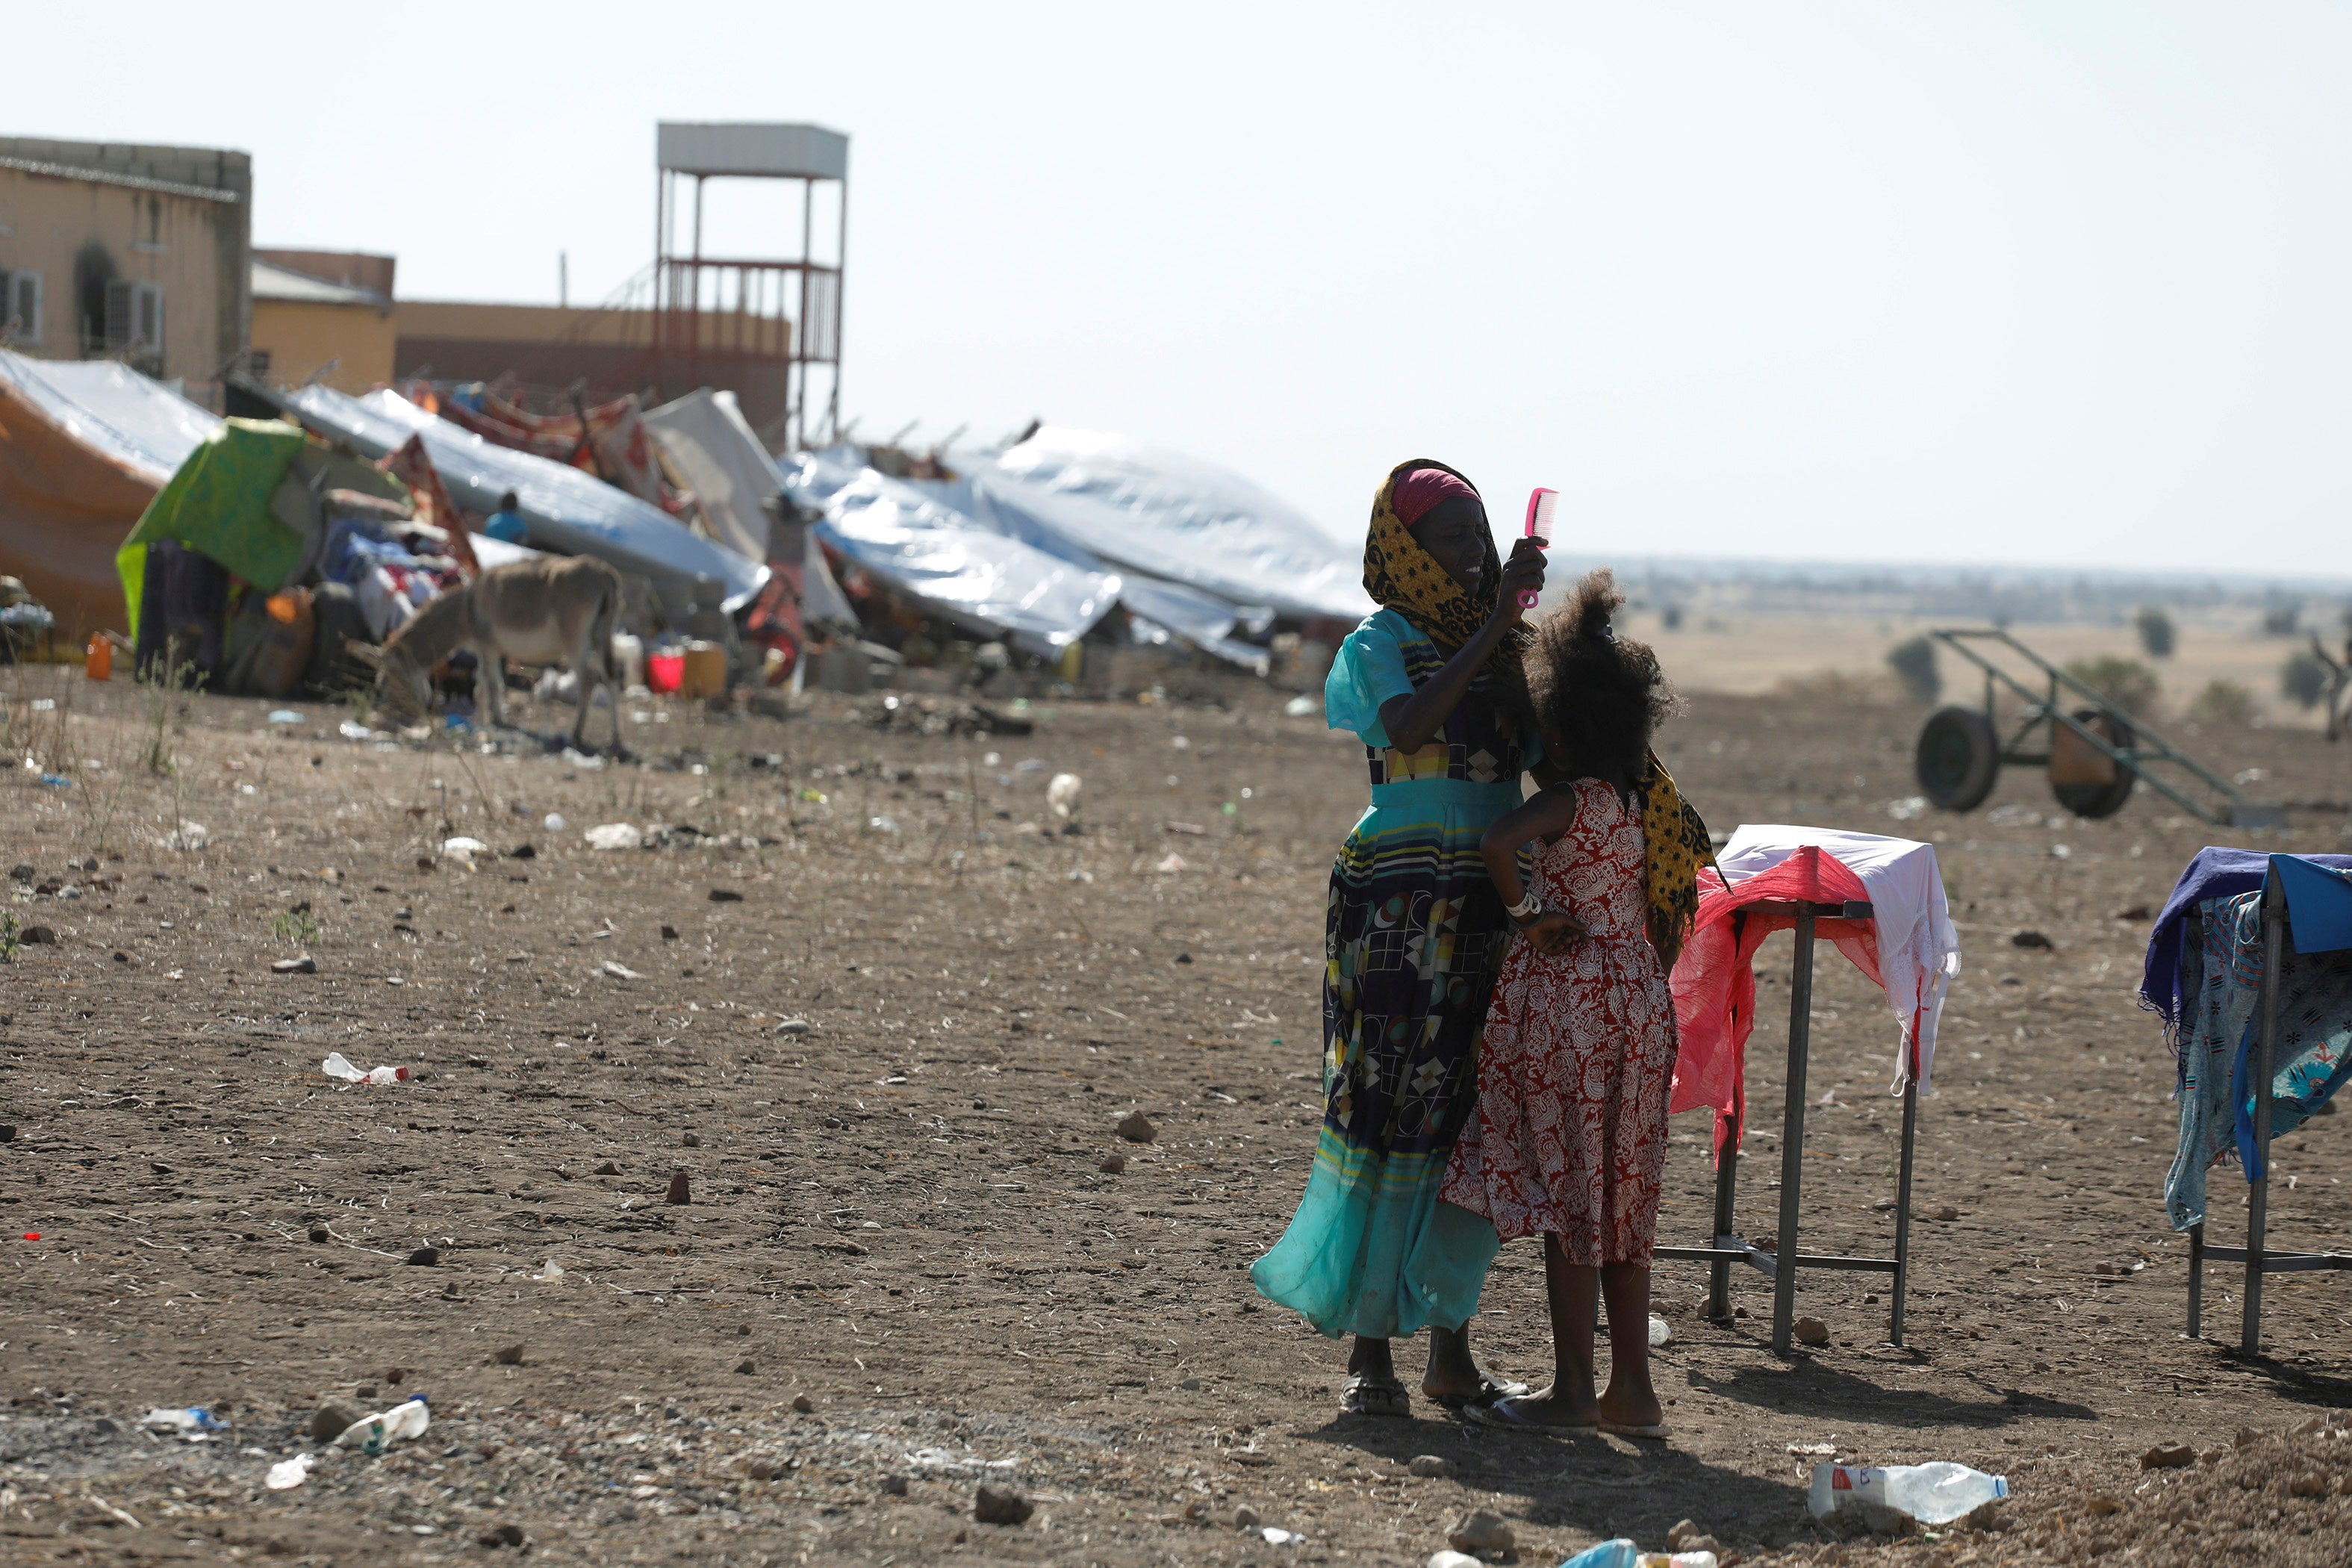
column 1412, row 933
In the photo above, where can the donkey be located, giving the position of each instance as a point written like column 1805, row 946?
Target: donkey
column 555, row 609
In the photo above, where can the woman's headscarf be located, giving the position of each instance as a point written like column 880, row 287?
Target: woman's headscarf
column 1402, row 577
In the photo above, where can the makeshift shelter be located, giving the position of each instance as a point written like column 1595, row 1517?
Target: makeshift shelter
column 937, row 558
column 84, row 448
column 564, row 508
column 1141, row 509
column 2250, row 966
column 1881, row 900
column 706, row 440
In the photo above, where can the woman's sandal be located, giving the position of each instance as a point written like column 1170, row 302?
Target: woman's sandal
column 1367, row 1395
column 1505, row 1412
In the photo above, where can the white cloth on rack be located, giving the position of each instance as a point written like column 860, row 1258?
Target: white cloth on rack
column 1918, row 948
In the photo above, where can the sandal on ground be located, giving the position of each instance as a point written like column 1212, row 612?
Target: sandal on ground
column 1367, row 1395
column 1507, row 1411
column 1490, row 1389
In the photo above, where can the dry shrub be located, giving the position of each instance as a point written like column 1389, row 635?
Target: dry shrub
column 2224, row 704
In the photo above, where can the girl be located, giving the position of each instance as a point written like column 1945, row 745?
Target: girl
column 1412, row 933
column 1569, row 1138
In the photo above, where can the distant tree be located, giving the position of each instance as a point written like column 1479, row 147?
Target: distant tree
column 2303, row 679
column 2156, row 632
column 2283, row 620
column 2126, row 682
column 2224, row 704
column 1671, row 618
column 1914, row 663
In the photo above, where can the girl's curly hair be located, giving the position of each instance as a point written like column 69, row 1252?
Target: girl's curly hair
column 1597, row 696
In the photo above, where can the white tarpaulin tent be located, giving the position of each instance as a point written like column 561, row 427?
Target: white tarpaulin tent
column 711, row 444
column 938, row 556
column 1169, row 516
column 564, row 508
column 113, row 409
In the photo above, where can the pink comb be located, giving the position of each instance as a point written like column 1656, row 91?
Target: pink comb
column 1542, row 506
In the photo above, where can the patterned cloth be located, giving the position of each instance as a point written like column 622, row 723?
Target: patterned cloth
column 1570, row 1135
column 2221, row 977
column 1402, row 575
column 1413, row 929
column 1675, row 845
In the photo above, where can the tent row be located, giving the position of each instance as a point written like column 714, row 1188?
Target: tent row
column 1063, row 535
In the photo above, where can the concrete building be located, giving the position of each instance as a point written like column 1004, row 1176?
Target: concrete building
column 114, row 250
column 323, row 316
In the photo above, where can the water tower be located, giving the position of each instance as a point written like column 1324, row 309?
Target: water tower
column 716, row 317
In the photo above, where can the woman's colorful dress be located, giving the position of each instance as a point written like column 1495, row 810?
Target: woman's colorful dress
column 1571, row 1134
column 1413, row 933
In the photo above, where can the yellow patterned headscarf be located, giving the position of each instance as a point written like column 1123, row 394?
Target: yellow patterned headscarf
column 1401, row 576
column 1674, row 844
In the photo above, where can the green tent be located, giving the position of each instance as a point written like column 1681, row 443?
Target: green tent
column 218, row 504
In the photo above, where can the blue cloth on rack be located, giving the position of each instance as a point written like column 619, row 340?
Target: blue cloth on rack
column 2214, row 988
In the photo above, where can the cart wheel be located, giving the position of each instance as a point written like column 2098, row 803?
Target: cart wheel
column 2092, row 798
column 1958, row 758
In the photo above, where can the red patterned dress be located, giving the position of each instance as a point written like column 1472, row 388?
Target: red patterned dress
column 1570, row 1133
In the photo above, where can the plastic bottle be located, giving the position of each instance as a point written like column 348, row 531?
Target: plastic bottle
column 1622, row 1553
column 1934, row 1493
column 99, row 657
column 338, row 1065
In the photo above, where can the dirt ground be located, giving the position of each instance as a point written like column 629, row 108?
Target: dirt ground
column 884, row 1016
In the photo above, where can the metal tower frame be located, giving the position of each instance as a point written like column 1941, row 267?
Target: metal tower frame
column 709, row 310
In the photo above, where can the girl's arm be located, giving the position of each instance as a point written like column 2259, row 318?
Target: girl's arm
column 1411, row 721
column 1553, row 810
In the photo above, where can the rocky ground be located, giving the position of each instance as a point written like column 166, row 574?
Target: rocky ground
column 883, row 1017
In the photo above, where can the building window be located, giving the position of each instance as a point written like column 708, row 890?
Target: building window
column 134, row 320
column 20, row 306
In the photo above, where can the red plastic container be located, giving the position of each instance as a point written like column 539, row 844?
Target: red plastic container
column 665, row 671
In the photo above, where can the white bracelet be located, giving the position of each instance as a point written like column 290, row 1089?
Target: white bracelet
column 1528, row 907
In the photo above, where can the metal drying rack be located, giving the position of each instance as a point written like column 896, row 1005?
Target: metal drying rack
column 1783, row 1259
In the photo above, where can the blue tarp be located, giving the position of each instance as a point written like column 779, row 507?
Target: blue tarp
column 564, row 509
column 1138, row 509
column 939, row 557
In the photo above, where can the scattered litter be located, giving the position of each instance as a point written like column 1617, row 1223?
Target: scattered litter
column 284, row 716
column 303, row 964
column 337, row 1065
column 462, row 845
column 1062, row 794
column 351, row 731
column 193, row 1418
column 796, row 1026
column 1887, row 1495
column 189, row 836
column 1030, row 765
column 1171, row 864
column 610, row 835
column 549, row 1272
column 288, row 1473
column 373, row 1434
column 1908, row 809
column 1828, row 1096
column 1819, row 1450
column 621, row 971
column 1080, row 875
column 1661, row 1332
column 1276, row 1536
column 1449, row 1558
column 581, row 759
column 882, row 823
column 555, row 822
column 1299, row 707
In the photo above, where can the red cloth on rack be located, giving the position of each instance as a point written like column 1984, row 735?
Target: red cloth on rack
column 1713, row 981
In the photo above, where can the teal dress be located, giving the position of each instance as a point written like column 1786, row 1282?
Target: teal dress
column 1414, row 934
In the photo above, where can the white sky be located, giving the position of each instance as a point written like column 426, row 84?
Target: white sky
column 1981, row 283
